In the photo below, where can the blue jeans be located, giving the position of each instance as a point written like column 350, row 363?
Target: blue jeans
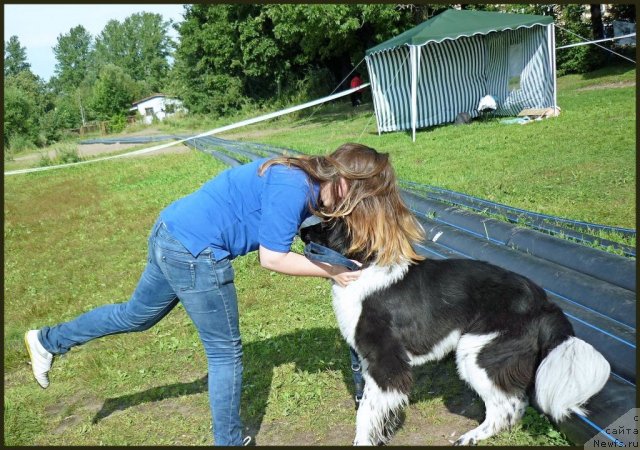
column 205, row 288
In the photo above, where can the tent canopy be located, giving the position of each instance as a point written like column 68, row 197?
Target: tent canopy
column 431, row 73
column 452, row 24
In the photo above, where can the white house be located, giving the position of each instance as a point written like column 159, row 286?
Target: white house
column 158, row 106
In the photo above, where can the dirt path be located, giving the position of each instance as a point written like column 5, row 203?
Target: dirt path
column 619, row 84
column 90, row 151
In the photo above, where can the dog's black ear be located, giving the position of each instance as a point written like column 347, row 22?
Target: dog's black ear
column 311, row 229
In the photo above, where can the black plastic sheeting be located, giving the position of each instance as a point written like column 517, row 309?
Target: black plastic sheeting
column 614, row 400
column 612, row 268
column 534, row 221
column 606, row 321
column 595, row 289
column 533, row 218
column 134, row 139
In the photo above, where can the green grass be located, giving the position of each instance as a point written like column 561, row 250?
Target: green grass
column 75, row 239
column 580, row 165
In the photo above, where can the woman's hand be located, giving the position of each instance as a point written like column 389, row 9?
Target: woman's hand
column 344, row 276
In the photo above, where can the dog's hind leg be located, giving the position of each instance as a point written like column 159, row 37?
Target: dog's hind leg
column 378, row 413
column 503, row 410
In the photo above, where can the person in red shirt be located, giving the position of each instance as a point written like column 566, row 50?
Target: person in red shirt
column 356, row 97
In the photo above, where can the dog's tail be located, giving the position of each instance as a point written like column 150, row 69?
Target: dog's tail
column 570, row 374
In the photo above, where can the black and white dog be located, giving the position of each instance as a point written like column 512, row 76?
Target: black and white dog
column 511, row 343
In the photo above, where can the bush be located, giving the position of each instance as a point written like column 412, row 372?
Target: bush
column 50, row 128
column 45, row 160
column 317, row 82
column 67, row 153
column 18, row 143
column 581, row 59
column 64, row 154
column 117, row 123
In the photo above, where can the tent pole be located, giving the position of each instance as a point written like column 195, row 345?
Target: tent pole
column 552, row 55
column 374, row 88
column 413, row 52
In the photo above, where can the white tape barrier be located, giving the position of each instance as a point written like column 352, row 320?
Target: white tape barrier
column 208, row 133
column 593, row 42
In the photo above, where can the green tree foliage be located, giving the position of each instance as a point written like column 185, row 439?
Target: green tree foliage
column 207, row 69
column 73, row 53
column 623, row 11
column 26, row 100
column 571, row 21
column 15, row 57
column 572, row 27
column 230, row 53
column 140, row 46
column 19, row 116
column 113, row 92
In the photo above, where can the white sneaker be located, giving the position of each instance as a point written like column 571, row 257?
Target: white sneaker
column 41, row 359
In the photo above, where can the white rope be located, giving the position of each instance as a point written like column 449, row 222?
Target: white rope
column 366, row 126
column 605, row 48
column 336, row 88
column 593, row 42
column 207, row 133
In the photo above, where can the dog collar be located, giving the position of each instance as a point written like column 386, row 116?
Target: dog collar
column 320, row 253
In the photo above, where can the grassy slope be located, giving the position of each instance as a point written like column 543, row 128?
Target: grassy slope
column 76, row 239
column 580, row 165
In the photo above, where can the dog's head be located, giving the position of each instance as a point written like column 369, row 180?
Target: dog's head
column 332, row 234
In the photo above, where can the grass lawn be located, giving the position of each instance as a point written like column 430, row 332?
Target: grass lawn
column 75, row 239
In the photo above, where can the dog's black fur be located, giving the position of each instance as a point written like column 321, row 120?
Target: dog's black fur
column 437, row 297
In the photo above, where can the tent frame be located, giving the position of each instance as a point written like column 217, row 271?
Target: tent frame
column 415, row 58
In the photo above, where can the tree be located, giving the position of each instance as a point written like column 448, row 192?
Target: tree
column 19, row 116
column 207, row 68
column 597, row 27
column 626, row 12
column 25, row 102
column 140, row 45
column 113, row 92
column 15, row 57
column 73, row 52
column 573, row 28
column 230, row 53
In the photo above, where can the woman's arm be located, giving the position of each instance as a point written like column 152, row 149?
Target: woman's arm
column 295, row 264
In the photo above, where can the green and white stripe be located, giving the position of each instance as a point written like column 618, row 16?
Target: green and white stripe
column 454, row 74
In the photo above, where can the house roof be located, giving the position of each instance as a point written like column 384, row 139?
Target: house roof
column 137, row 102
column 453, row 23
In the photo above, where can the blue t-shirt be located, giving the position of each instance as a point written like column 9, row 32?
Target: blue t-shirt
column 239, row 210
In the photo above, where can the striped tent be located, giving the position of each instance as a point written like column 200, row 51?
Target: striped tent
column 429, row 74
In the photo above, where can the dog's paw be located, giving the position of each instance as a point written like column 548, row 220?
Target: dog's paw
column 359, row 442
column 465, row 440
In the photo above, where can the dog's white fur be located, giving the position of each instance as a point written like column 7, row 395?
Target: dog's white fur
column 561, row 386
column 347, row 301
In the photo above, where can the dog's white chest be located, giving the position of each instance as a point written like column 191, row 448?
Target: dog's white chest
column 347, row 301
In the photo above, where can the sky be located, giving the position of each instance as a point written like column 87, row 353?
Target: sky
column 38, row 26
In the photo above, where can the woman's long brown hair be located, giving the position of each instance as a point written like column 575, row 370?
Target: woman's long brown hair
column 380, row 225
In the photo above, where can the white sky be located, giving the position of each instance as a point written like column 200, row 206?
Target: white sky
column 38, row 26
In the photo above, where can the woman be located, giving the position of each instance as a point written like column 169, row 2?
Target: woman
column 257, row 206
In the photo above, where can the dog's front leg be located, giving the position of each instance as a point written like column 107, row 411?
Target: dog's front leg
column 377, row 414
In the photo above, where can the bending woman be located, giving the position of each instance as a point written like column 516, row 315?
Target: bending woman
column 256, row 206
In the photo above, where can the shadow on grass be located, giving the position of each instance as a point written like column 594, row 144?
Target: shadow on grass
column 310, row 350
column 619, row 68
column 313, row 350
